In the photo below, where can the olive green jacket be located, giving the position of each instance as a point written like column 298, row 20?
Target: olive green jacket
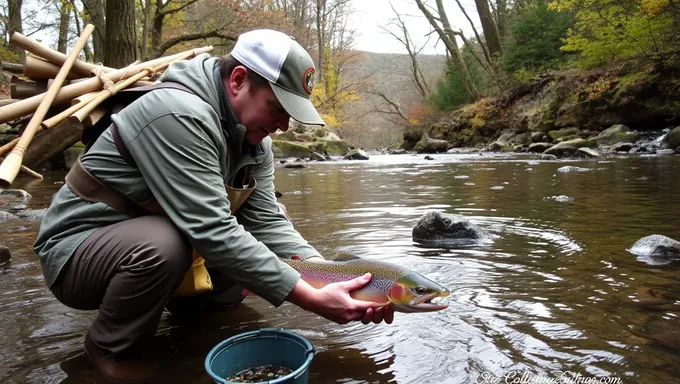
column 186, row 147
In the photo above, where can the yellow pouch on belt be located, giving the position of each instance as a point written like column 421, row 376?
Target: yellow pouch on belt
column 197, row 280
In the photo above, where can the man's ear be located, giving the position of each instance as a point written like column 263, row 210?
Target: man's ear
column 238, row 79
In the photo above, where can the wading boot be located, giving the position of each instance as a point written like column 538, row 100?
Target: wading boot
column 113, row 370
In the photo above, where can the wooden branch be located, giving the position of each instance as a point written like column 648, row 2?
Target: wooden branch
column 171, row 42
column 31, row 172
column 69, row 92
column 12, row 163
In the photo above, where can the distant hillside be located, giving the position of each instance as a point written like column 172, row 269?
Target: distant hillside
column 389, row 73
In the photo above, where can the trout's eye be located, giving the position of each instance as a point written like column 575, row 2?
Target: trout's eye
column 421, row 290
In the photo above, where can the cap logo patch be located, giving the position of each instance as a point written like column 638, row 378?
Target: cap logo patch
column 309, row 79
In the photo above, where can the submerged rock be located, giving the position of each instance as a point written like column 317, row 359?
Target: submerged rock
column 623, row 147
column 439, row 229
column 14, row 199
column 32, row 214
column 6, row 216
column 5, row 254
column 570, row 168
column 356, row 154
column 656, row 250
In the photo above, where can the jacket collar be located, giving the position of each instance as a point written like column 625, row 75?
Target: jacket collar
column 234, row 131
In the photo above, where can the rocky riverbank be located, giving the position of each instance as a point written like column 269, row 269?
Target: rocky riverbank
column 619, row 109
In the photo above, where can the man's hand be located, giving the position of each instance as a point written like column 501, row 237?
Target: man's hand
column 334, row 302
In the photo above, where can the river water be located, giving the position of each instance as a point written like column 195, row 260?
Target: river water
column 555, row 295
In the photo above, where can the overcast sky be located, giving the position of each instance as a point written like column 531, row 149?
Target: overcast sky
column 370, row 15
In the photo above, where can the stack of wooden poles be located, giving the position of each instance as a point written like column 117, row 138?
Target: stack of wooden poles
column 74, row 89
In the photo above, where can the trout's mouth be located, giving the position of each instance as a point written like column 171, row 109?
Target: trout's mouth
column 425, row 303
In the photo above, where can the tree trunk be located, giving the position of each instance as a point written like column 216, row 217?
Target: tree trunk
column 447, row 35
column 145, row 30
column 86, row 48
column 121, row 40
column 14, row 25
column 157, row 28
column 320, row 14
column 95, row 15
column 491, row 35
column 502, row 18
column 64, row 21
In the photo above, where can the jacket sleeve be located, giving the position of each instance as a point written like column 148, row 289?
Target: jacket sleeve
column 179, row 159
column 260, row 215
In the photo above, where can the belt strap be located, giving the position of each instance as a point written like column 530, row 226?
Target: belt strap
column 91, row 189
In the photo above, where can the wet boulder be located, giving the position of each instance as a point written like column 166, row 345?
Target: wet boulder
column 587, row 153
column 439, row 229
column 617, row 133
column 672, row 139
column 5, row 254
column 356, row 154
column 623, row 147
column 656, row 250
column 6, row 216
column 564, row 132
column 568, row 148
column 14, row 199
column 539, row 147
column 430, row 145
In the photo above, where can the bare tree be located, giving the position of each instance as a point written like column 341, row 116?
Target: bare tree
column 121, row 40
column 95, row 14
column 489, row 27
column 14, row 23
column 404, row 38
column 76, row 18
column 64, row 23
column 167, row 8
column 146, row 26
column 442, row 26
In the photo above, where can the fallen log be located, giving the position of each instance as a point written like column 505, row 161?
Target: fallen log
column 27, row 106
column 12, row 67
column 51, row 143
column 22, row 89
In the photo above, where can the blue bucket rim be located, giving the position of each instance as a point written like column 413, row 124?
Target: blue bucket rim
column 263, row 332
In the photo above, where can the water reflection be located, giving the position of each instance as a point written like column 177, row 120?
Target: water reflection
column 554, row 291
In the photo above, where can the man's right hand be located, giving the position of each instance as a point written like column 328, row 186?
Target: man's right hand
column 334, row 302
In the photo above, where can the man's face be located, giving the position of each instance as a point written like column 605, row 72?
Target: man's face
column 258, row 109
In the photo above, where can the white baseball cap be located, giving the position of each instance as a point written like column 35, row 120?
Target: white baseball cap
column 286, row 65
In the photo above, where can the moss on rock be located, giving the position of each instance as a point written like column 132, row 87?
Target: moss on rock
column 337, row 147
column 285, row 149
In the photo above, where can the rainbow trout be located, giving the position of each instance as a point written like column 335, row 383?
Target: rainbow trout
column 406, row 290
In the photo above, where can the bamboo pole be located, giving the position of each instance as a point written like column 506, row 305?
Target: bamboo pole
column 81, row 114
column 54, row 120
column 58, row 118
column 55, row 57
column 27, row 106
column 12, row 163
column 37, row 68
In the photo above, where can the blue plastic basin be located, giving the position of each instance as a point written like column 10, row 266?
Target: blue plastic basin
column 267, row 346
